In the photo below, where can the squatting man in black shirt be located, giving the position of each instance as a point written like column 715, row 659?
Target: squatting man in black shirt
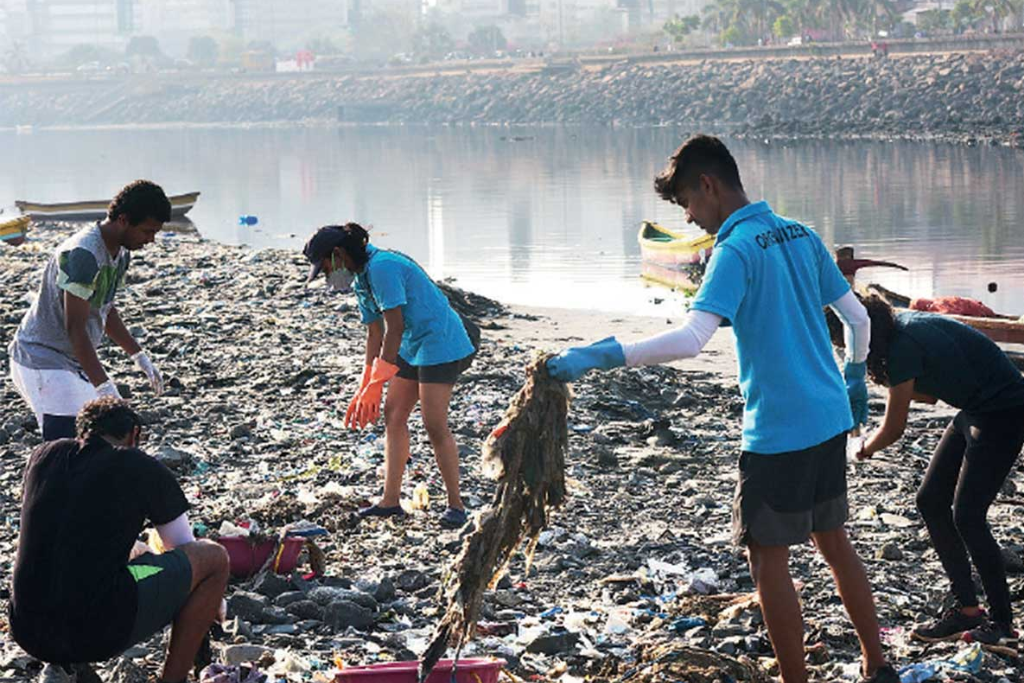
column 77, row 596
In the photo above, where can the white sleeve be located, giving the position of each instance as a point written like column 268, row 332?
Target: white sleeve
column 176, row 532
column 682, row 342
column 856, row 326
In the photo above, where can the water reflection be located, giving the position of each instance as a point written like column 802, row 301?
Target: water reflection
column 551, row 219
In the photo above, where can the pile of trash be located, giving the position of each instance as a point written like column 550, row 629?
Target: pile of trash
column 634, row 578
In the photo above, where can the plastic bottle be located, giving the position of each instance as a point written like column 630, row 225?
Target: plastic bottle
column 420, row 497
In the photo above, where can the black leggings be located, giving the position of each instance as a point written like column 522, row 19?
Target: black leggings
column 970, row 464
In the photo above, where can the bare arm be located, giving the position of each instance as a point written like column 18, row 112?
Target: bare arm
column 897, row 407
column 117, row 331
column 394, row 326
column 76, row 316
column 374, row 338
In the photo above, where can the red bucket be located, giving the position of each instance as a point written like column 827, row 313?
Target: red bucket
column 468, row 671
column 247, row 557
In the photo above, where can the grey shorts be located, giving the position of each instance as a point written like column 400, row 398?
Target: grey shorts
column 442, row 373
column 784, row 497
column 164, row 583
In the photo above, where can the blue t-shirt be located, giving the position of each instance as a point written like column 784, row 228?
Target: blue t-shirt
column 433, row 333
column 771, row 277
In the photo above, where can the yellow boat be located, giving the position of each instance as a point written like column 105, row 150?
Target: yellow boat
column 13, row 230
column 96, row 210
column 672, row 258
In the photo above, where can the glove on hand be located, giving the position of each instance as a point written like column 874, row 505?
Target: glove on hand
column 353, row 406
column 857, row 390
column 573, row 363
column 156, row 380
column 368, row 408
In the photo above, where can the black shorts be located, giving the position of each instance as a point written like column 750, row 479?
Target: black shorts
column 164, row 583
column 783, row 497
column 442, row 373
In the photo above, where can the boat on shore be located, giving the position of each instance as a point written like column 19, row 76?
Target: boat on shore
column 671, row 258
column 181, row 204
column 13, row 230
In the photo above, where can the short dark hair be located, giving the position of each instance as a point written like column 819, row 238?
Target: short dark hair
column 140, row 200
column 106, row 416
column 700, row 155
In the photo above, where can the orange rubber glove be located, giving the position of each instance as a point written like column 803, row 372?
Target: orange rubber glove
column 368, row 409
column 353, row 405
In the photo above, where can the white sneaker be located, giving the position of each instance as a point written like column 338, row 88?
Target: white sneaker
column 55, row 673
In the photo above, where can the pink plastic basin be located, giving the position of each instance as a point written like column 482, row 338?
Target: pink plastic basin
column 247, row 557
column 469, row 671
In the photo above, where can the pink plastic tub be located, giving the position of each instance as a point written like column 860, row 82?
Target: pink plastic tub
column 469, row 671
column 247, row 557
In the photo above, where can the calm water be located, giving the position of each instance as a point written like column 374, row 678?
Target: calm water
column 551, row 219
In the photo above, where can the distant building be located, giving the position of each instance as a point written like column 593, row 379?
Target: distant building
column 289, row 24
column 58, row 25
column 175, row 22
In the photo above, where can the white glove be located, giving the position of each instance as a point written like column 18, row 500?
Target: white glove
column 146, row 365
column 222, row 611
column 108, row 390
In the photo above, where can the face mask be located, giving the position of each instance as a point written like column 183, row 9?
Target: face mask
column 340, row 279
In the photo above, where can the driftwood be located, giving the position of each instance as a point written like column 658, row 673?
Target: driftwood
column 526, row 454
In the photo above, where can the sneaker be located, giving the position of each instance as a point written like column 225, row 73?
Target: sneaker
column 991, row 633
column 454, row 518
column 885, row 674
column 950, row 626
column 55, row 673
column 378, row 511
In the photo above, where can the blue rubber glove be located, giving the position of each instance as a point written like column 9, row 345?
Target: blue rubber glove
column 857, row 390
column 571, row 364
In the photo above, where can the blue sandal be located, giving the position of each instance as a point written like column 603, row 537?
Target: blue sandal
column 378, row 511
column 454, row 518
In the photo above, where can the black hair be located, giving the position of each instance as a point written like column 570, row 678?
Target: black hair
column 140, row 200
column 354, row 241
column 883, row 325
column 700, row 155
column 106, row 416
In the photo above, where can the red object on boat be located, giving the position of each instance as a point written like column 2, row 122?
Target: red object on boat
column 468, row 671
column 955, row 305
column 247, row 557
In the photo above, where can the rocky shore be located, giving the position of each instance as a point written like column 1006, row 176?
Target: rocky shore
column 635, row 579
column 969, row 97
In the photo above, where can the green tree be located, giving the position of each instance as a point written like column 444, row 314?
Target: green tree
column 679, row 27
column 433, row 41
column 963, row 15
column 486, row 40
column 203, row 50
column 934, row 20
column 784, row 26
column 147, row 47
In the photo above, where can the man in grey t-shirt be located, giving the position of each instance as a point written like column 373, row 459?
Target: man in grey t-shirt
column 53, row 354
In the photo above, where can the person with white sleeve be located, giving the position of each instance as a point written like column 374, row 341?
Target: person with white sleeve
column 54, row 364
column 770, row 278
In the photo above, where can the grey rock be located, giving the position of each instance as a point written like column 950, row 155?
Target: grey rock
column 285, row 599
column 341, row 614
column 1012, row 561
column 275, row 615
column 174, row 458
column 324, row 595
column 247, row 606
column 411, row 580
column 241, row 431
column 244, row 652
column 553, row 643
column 272, row 585
column 385, row 590
column 889, row 551
column 305, row 609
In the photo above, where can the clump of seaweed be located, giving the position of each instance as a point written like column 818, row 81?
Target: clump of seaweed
column 526, row 455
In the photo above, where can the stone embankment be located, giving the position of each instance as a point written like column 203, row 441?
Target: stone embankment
column 965, row 97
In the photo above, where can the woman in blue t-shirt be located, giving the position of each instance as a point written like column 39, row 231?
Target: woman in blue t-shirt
column 926, row 357
column 415, row 342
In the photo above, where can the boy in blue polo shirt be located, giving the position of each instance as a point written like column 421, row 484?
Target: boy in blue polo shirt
column 769, row 277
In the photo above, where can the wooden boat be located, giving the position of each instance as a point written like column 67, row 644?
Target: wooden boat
column 13, row 229
column 671, row 258
column 94, row 210
column 1006, row 329
column 671, row 249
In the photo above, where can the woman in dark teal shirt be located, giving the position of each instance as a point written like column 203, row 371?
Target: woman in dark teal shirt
column 927, row 357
